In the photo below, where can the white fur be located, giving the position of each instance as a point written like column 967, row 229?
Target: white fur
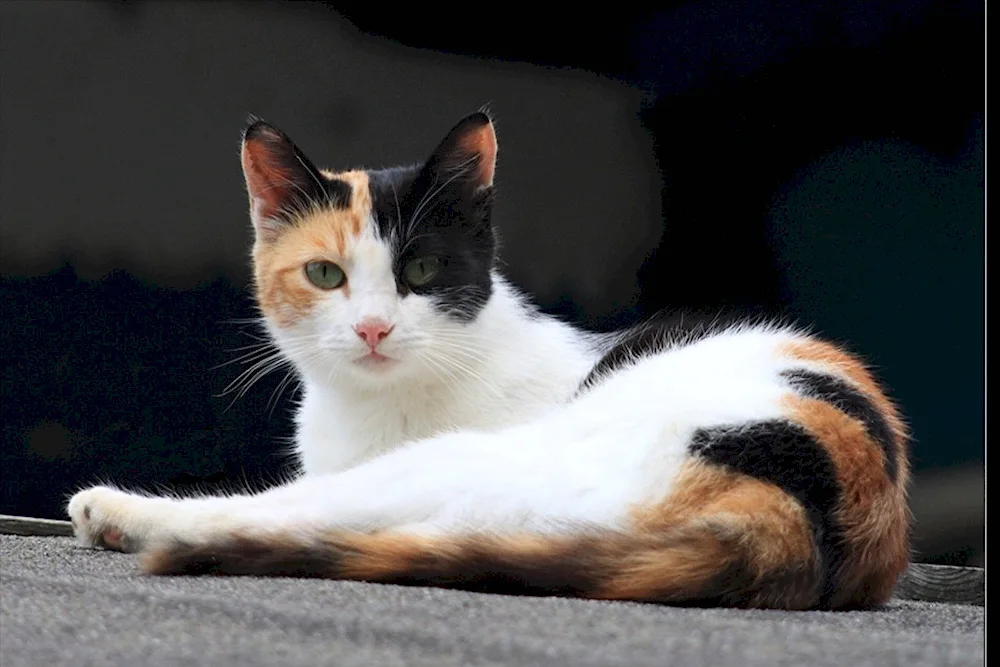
column 503, row 441
column 487, row 376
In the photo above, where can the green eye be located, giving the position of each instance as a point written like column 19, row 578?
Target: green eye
column 325, row 275
column 421, row 270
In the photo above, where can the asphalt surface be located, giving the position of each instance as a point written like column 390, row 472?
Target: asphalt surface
column 63, row 605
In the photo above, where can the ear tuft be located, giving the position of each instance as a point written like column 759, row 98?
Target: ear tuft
column 258, row 128
column 251, row 120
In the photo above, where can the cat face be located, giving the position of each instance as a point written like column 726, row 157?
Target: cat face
column 373, row 274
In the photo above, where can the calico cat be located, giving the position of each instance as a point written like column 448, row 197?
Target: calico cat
column 450, row 434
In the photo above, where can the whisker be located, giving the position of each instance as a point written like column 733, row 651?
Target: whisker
column 244, row 358
column 272, row 402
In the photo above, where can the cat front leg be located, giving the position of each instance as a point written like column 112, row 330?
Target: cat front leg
column 414, row 487
column 130, row 522
column 117, row 520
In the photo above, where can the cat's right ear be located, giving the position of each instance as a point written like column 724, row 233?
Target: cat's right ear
column 281, row 181
column 468, row 153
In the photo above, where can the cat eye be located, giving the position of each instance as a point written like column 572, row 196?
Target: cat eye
column 421, row 270
column 325, row 275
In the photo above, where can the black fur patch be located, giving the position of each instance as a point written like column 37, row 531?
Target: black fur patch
column 785, row 455
column 665, row 330
column 338, row 193
column 851, row 402
column 423, row 215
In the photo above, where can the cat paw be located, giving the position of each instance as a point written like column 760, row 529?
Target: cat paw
column 110, row 519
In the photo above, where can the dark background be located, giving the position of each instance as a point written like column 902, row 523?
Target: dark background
column 818, row 161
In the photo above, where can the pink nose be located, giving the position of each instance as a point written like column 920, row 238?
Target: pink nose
column 372, row 332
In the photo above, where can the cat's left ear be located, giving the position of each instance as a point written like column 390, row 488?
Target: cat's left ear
column 468, row 154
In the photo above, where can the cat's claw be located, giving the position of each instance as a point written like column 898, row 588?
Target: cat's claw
column 100, row 516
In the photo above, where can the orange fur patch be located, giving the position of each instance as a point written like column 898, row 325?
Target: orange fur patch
column 876, row 522
column 721, row 522
column 388, row 555
column 361, row 196
column 283, row 291
column 850, row 368
column 873, row 512
column 683, row 571
column 384, row 555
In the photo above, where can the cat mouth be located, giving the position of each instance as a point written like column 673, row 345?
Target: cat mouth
column 375, row 360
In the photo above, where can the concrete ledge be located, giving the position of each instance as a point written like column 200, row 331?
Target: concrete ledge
column 20, row 525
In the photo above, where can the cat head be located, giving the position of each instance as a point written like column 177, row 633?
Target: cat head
column 373, row 274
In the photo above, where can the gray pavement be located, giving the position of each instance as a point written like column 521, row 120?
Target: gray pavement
column 62, row 605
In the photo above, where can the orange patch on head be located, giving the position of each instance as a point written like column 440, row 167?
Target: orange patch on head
column 361, row 196
column 325, row 233
column 339, row 226
column 282, row 289
column 283, row 292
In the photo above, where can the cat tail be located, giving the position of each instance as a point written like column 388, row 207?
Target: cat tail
column 692, row 565
column 708, row 560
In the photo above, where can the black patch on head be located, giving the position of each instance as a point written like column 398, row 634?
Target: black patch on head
column 435, row 210
column 337, row 193
column 851, row 402
column 785, row 455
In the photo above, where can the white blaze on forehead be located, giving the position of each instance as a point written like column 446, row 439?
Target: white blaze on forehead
column 373, row 284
